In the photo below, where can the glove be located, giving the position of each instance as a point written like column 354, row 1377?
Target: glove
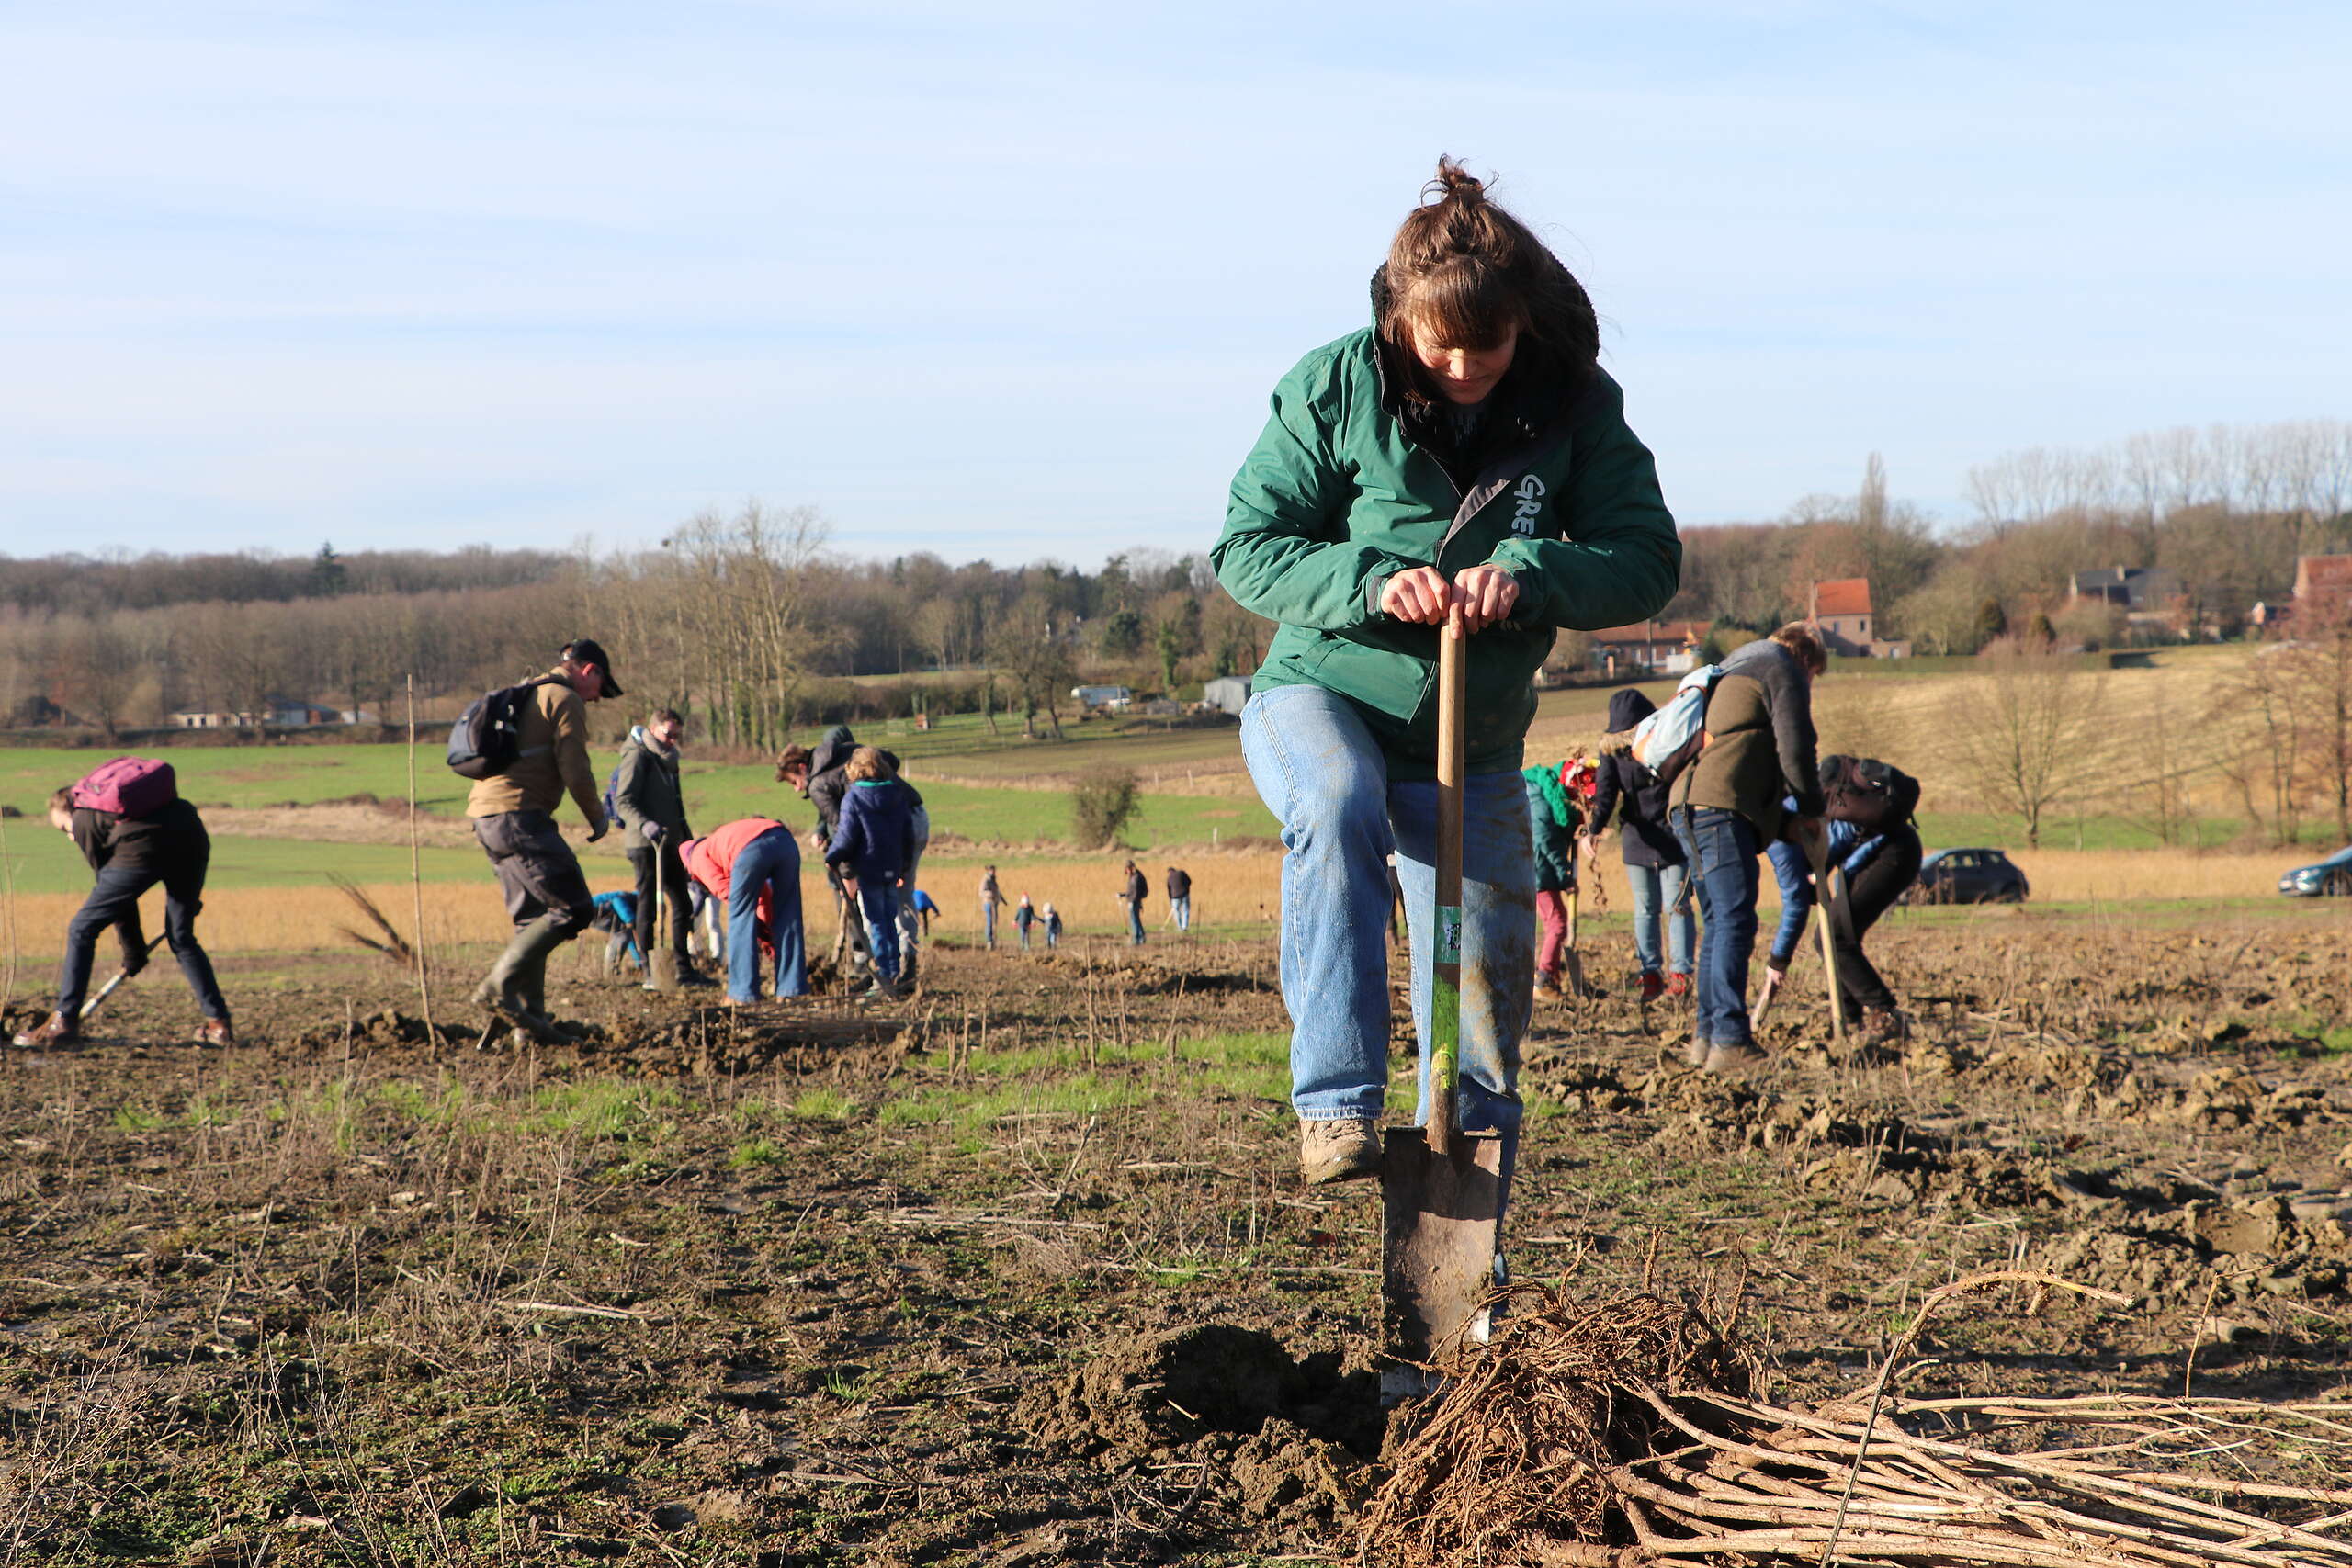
column 652, row 831
column 600, row 830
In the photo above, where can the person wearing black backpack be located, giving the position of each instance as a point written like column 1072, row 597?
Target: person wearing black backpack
column 513, row 817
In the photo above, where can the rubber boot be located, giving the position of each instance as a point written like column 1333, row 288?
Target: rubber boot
column 532, row 982
column 507, row 990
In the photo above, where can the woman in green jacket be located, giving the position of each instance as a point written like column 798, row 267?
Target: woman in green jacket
column 1465, row 450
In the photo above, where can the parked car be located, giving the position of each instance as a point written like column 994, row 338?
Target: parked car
column 2329, row 878
column 1967, row 876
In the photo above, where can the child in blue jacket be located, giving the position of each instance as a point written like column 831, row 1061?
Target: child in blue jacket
column 872, row 847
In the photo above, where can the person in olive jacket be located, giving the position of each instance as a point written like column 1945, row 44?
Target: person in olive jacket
column 1463, row 453
column 651, row 807
column 1655, row 869
column 1727, row 807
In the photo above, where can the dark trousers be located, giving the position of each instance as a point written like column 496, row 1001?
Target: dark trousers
column 646, row 863
column 536, row 871
column 1719, row 847
column 115, row 902
column 1870, row 894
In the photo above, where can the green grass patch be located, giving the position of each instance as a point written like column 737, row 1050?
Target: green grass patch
column 602, row 1107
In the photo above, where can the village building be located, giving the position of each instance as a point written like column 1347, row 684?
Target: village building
column 1839, row 608
column 1647, row 647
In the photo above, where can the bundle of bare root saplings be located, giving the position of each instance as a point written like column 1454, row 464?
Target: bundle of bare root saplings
column 1618, row 1433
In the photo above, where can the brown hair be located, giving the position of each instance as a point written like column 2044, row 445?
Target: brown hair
column 867, row 763
column 668, row 715
column 1800, row 639
column 791, row 757
column 1466, row 273
column 63, row 800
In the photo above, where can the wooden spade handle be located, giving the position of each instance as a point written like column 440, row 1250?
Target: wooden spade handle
column 1446, row 988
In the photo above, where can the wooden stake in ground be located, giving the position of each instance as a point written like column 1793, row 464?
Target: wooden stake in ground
column 416, row 871
column 8, row 911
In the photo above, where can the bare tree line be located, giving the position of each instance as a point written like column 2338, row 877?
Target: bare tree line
column 2225, row 511
column 746, row 620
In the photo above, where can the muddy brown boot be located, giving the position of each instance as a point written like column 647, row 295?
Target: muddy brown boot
column 1338, row 1150
column 1695, row 1054
column 1734, row 1058
column 215, row 1032
column 58, row 1030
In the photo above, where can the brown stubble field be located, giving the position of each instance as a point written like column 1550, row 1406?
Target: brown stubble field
column 1018, row 1271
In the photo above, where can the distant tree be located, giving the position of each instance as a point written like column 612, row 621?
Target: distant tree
column 1102, row 802
column 1119, row 634
column 1992, row 621
column 1035, row 660
column 1170, row 643
column 2026, row 735
column 328, row 577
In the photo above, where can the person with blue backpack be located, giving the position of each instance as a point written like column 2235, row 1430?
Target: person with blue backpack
column 1463, row 457
column 646, row 797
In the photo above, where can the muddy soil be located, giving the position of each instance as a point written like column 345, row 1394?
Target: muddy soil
column 1018, row 1271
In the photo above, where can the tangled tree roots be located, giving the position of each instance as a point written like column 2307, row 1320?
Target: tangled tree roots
column 1620, row 1433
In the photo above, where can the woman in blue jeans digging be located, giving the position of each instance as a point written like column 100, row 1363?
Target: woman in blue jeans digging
column 1463, row 450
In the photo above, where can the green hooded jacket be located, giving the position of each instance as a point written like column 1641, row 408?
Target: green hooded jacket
column 1347, row 487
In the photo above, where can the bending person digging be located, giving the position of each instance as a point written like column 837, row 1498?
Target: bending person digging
column 1464, row 452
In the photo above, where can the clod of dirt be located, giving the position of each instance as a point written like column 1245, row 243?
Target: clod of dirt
column 1168, row 1388
column 1295, row 1480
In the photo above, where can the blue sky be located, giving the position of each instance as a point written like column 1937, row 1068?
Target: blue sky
column 1014, row 281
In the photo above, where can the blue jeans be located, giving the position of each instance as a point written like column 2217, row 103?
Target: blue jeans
column 114, row 901
column 772, row 861
column 1182, row 909
column 1135, row 922
column 1657, row 890
column 988, row 921
column 877, row 897
column 1720, row 847
column 1319, row 771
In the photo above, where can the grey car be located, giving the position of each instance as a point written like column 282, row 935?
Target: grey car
column 1967, row 876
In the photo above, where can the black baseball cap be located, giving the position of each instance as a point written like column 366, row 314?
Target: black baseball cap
column 588, row 650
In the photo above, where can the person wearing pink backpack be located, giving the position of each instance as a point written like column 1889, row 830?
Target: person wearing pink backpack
column 130, row 825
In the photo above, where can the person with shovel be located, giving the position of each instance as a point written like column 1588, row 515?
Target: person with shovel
column 513, row 818
column 130, row 854
column 1729, row 804
column 871, row 848
column 1461, row 469
column 754, row 866
column 651, row 807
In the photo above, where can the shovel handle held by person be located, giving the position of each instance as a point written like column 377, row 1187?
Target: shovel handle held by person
column 1445, row 990
column 119, row 977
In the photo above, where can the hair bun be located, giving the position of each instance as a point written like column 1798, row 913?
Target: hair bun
column 1454, row 182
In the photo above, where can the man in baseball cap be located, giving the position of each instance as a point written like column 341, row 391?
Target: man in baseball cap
column 587, row 653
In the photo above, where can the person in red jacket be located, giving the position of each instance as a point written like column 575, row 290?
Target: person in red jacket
column 754, row 865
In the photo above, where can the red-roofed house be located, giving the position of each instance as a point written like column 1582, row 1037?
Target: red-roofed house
column 1656, row 648
column 1840, row 608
